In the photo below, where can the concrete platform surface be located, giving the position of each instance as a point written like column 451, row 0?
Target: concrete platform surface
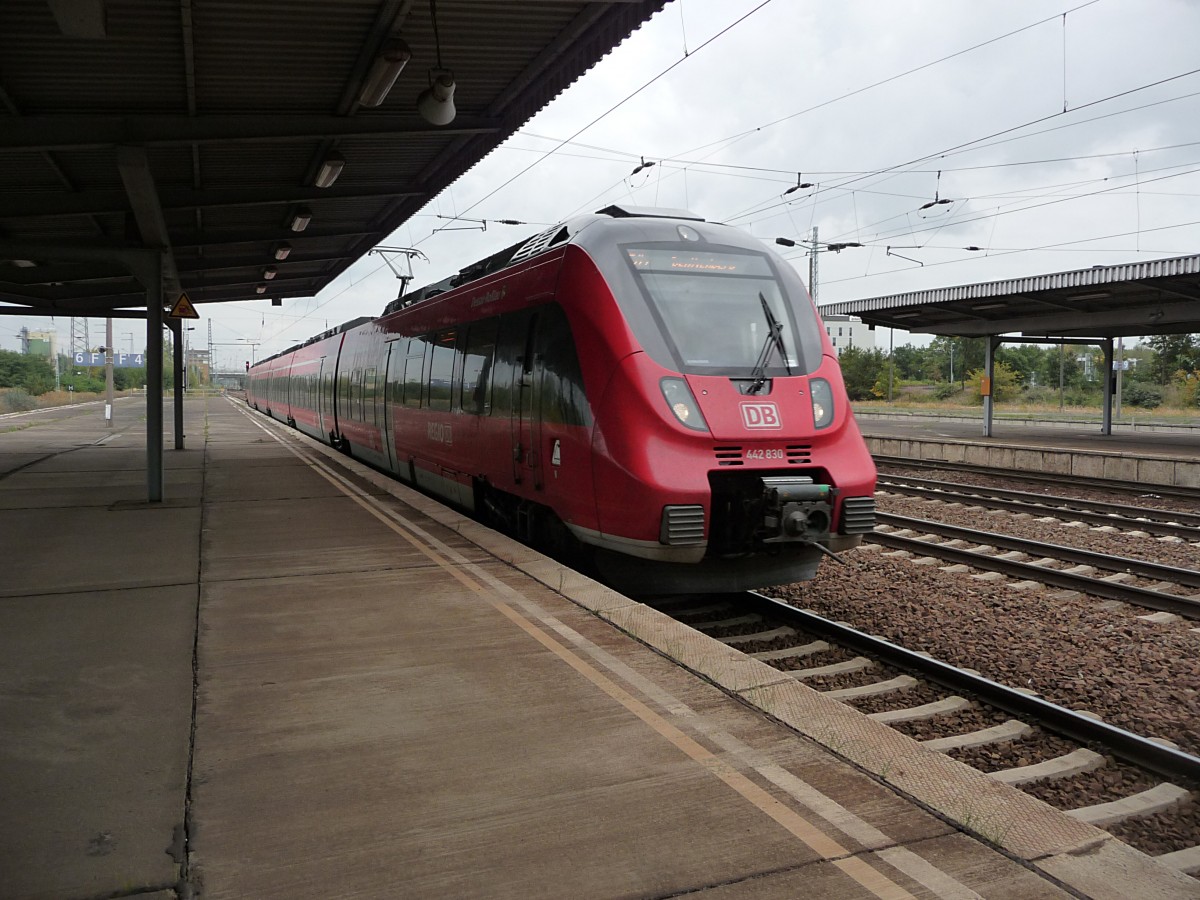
column 297, row 678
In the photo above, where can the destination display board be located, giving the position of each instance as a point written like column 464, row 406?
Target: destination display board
column 120, row 360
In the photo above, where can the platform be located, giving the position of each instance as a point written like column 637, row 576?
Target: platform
column 1149, row 454
column 298, row 678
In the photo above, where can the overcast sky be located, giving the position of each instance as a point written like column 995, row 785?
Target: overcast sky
column 869, row 100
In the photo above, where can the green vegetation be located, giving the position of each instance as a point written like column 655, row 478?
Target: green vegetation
column 32, row 374
column 1162, row 374
column 28, row 382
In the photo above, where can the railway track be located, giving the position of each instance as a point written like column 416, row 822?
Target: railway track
column 794, row 636
column 1163, row 523
column 1078, row 579
column 1100, row 484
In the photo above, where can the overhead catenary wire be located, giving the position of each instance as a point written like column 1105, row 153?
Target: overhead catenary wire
column 971, row 143
column 1038, row 248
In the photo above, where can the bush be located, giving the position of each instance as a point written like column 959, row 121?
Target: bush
column 17, row 400
column 1147, row 396
column 947, row 390
column 1006, row 384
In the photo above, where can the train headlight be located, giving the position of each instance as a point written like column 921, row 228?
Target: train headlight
column 683, row 404
column 822, row 402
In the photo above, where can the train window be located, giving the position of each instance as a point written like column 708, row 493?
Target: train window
column 356, row 394
column 369, row 391
column 689, row 290
column 478, row 352
column 441, row 371
column 563, row 400
column 343, row 395
column 413, row 381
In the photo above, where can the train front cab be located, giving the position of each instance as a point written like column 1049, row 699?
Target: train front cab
column 726, row 457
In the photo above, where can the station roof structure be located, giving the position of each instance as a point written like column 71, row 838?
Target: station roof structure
column 205, row 131
column 1156, row 297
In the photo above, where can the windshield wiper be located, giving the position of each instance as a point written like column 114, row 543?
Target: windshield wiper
column 774, row 341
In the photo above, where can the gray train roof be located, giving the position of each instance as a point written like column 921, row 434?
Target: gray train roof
column 1160, row 296
column 200, row 128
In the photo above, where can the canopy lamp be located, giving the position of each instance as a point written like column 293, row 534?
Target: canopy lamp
column 384, row 71
column 270, row 272
column 282, row 250
column 331, row 168
column 436, row 102
column 301, row 218
column 260, row 288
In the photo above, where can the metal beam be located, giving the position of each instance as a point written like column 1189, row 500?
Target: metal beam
column 77, row 250
column 69, row 311
column 989, row 371
column 210, row 237
column 1132, row 319
column 80, row 18
column 154, row 384
column 134, row 165
column 20, row 204
column 1106, row 423
column 220, row 264
column 178, row 376
column 57, row 274
column 73, row 132
column 51, row 294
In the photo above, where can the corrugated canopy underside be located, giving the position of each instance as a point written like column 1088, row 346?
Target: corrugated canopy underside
column 202, row 127
column 1156, row 297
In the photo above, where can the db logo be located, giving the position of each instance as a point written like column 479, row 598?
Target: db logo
column 761, row 415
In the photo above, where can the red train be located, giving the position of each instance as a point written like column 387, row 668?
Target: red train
column 638, row 387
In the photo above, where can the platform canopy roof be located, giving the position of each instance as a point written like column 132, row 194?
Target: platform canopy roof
column 206, row 128
column 1157, row 297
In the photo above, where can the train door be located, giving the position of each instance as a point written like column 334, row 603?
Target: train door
column 527, row 463
column 320, row 397
column 393, row 379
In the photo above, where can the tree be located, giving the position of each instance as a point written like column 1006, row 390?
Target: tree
column 1072, row 368
column 1024, row 359
column 1173, row 353
column 32, row 374
column 967, row 354
column 860, row 370
column 910, row 362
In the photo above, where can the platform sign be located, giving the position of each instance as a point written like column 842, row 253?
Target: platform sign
column 120, row 360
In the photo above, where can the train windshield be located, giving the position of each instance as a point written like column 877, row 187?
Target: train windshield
column 712, row 308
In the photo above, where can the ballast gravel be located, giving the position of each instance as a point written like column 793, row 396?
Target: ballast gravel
column 1184, row 555
column 1138, row 675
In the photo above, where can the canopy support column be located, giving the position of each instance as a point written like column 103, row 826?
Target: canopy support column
column 989, row 371
column 1107, row 347
column 154, row 383
column 176, row 326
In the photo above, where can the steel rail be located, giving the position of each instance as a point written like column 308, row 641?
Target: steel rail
column 990, row 498
column 1103, row 484
column 1167, row 761
column 1101, row 506
column 1140, row 568
column 1110, row 590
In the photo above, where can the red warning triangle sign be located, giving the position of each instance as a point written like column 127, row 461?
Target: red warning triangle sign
column 183, row 309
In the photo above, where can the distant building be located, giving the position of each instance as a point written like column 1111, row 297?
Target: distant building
column 199, row 365
column 39, row 343
column 848, row 331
